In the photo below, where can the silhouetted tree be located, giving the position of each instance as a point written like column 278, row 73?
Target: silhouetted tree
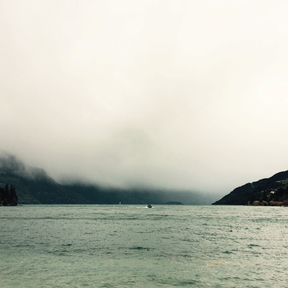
column 252, row 199
column 279, row 194
column 8, row 197
column 13, row 198
column 1, row 195
column 265, row 197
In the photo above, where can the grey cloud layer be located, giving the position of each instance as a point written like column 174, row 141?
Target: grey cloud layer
column 158, row 93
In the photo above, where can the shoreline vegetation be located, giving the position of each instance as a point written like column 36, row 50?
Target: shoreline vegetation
column 8, row 197
column 278, row 198
column 270, row 203
column 277, row 195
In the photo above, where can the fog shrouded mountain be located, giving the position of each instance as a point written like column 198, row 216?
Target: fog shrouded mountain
column 35, row 186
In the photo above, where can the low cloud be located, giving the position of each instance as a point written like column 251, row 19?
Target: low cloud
column 181, row 95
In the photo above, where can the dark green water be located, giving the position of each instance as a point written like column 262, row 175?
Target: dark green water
column 132, row 246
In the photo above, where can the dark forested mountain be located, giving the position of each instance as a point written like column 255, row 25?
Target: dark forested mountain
column 268, row 191
column 100, row 195
column 35, row 186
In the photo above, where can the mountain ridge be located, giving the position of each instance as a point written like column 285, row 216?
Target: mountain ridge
column 265, row 189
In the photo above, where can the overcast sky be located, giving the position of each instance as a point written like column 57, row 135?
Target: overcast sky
column 169, row 94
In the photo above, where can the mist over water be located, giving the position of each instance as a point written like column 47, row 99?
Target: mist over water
column 133, row 246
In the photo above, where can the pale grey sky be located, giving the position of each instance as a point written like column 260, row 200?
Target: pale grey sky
column 171, row 94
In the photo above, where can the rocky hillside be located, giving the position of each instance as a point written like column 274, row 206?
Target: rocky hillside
column 267, row 191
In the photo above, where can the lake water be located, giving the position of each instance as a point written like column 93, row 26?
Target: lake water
column 133, row 246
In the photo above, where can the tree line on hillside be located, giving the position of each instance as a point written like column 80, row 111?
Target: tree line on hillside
column 8, row 197
column 277, row 197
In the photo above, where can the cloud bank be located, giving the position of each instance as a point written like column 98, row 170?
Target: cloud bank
column 169, row 94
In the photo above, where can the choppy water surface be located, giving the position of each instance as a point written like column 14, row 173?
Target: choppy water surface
column 132, row 246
